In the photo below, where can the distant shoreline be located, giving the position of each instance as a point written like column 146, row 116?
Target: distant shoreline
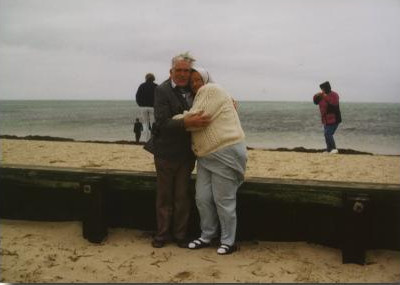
column 126, row 142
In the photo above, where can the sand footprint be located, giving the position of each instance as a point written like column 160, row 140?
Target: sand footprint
column 91, row 164
column 163, row 259
column 212, row 272
column 56, row 161
column 182, row 276
column 51, row 260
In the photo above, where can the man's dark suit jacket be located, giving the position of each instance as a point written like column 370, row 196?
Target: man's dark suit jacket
column 171, row 140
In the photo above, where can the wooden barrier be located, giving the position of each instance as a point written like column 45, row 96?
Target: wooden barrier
column 350, row 216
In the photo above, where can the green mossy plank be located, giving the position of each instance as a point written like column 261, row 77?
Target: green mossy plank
column 268, row 209
column 290, row 191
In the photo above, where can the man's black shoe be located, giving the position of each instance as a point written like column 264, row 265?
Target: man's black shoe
column 158, row 243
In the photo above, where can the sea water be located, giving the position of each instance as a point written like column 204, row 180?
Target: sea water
column 370, row 127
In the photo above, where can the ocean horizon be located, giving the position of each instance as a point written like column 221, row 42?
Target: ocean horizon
column 368, row 127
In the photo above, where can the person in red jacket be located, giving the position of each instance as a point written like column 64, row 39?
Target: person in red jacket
column 328, row 102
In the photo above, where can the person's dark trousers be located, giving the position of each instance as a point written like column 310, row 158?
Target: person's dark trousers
column 173, row 198
column 329, row 131
column 137, row 137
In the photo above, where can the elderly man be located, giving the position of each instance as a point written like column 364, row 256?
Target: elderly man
column 173, row 157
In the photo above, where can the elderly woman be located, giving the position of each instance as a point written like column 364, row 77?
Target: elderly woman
column 221, row 162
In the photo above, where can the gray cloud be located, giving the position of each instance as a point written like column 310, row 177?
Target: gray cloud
column 259, row 50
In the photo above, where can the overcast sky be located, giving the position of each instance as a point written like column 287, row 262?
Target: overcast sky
column 257, row 49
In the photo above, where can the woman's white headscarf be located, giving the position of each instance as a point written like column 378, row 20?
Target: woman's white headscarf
column 204, row 74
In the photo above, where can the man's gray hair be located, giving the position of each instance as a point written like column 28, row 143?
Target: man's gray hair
column 183, row 56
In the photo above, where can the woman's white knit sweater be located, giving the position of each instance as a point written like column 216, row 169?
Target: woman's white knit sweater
column 224, row 129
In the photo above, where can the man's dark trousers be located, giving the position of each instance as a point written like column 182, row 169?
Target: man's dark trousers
column 173, row 200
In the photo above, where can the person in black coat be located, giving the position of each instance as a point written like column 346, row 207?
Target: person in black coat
column 145, row 92
column 145, row 100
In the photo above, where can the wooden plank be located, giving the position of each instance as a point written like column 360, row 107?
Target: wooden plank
column 268, row 209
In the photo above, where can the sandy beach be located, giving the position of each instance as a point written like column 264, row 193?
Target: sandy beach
column 56, row 252
column 33, row 251
column 261, row 163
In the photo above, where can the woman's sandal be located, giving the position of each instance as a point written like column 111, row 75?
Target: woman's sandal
column 198, row 243
column 226, row 249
